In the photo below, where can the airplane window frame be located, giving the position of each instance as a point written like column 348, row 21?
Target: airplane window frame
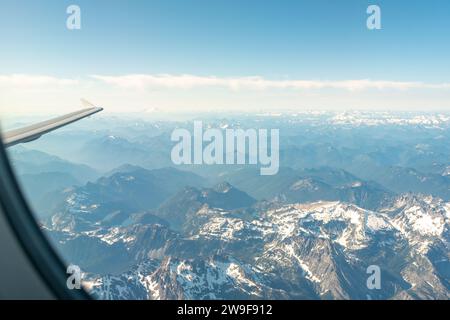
column 29, row 235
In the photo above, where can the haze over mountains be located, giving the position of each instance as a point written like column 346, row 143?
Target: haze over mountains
column 353, row 190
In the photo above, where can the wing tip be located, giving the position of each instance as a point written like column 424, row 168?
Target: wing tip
column 87, row 104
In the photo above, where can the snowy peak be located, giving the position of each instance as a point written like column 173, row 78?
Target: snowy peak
column 424, row 216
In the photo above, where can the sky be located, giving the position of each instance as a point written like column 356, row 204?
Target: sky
column 224, row 55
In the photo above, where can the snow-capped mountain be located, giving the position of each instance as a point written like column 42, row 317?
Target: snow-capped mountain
column 318, row 250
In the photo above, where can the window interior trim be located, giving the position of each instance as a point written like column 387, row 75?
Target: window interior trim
column 30, row 236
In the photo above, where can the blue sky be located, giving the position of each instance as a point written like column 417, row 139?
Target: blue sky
column 271, row 40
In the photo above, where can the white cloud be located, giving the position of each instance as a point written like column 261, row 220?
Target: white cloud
column 43, row 94
column 33, row 81
column 186, row 81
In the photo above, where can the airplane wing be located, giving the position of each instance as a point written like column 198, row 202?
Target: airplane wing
column 35, row 131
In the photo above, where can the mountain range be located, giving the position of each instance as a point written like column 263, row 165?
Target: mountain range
column 219, row 243
column 354, row 190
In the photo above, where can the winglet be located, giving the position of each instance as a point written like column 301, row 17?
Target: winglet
column 87, row 104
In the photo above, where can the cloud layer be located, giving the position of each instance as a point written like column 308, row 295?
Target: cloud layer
column 186, row 81
column 31, row 81
column 134, row 92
